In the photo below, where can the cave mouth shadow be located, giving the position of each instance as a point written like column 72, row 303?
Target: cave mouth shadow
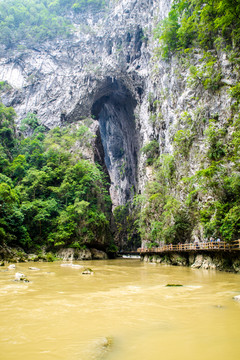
column 113, row 107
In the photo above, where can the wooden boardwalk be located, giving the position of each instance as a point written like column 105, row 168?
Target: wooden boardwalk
column 207, row 246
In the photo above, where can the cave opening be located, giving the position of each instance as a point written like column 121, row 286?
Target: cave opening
column 113, row 107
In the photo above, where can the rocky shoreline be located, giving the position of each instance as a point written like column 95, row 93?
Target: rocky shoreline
column 16, row 255
column 223, row 261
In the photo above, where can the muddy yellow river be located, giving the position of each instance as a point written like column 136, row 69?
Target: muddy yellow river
column 124, row 311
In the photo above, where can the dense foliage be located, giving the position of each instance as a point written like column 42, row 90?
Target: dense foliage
column 49, row 195
column 199, row 23
column 28, row 22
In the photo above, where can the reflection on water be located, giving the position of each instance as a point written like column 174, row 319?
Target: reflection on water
column 123, row 311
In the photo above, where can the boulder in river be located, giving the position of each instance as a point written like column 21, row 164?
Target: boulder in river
column 87, row 272
column 21, row 277
column 237, row 298
column 33, row 268
column 12, row 266
column 100, row 348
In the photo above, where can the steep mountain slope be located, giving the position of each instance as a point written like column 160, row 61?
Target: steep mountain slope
column 167, row 125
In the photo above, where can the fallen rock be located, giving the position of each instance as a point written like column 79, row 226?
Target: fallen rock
column 12, row 266
column 87, row 272
column 21, row 277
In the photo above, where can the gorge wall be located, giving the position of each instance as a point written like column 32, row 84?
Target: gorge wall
column 222, row 261
column 103, row 71
column 109, row 71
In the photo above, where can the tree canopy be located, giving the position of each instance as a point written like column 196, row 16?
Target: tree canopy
column 27, row 22
column 199, row 23
column 49, row 195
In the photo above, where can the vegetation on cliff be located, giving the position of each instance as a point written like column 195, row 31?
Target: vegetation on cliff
column 180, row 203
column 197, row 23
column 49, row 194
column 28, row 22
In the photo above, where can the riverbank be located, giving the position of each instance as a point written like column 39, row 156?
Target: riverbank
column 222, row 261
column 17, row 255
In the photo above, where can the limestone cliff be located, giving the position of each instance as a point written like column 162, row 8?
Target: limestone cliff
column 108, row 70
column 103, row 70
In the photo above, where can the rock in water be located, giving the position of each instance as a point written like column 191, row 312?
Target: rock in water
column 34, row 268
column 237, row 298
column 21, row 277
column 87, row 272
column 66, row 265
column 75, row 266
column 12, row 266
column 100, row 348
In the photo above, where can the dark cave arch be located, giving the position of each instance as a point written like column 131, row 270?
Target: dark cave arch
column 113, row 106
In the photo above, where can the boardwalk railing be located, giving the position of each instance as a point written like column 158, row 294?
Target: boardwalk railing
column 215, row 245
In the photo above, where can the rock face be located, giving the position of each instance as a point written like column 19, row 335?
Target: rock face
column 108, row 70
column 98, row 254
column 228, row 261
column 74, row 254
column 102, row 71
column 115, row 112
column 83, row 254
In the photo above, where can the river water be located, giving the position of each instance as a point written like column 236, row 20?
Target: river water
column 124, row 311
